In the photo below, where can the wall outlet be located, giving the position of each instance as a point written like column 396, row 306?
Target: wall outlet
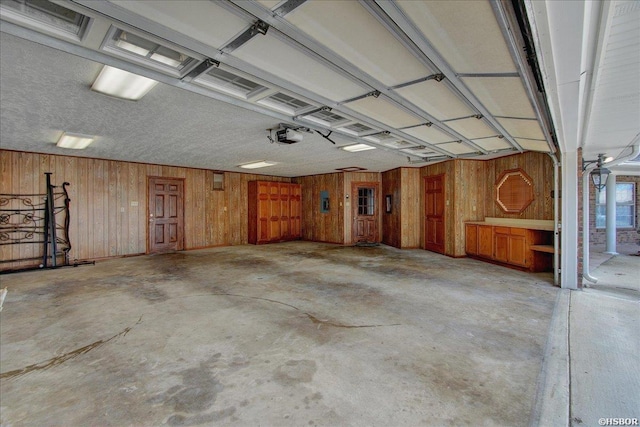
column 134, row 203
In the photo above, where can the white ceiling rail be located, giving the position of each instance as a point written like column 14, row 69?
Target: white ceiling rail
column 397, row 19
column 506, row 17
column 330, row 58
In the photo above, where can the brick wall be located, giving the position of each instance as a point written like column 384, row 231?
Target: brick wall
column 623, row 235
column 580, row 220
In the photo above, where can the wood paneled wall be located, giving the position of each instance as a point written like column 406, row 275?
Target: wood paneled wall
column 105, row 220
column 400, row 228
column 539, row 167
column 322, row 226
column 470, row 184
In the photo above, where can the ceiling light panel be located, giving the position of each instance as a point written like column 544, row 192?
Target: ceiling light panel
column 352, row 32
column 533, row 145
column 457, row 148
column 122, row 84
column 384, row 111
column 75, row 141
column 493, row 143
column 522, row 128
column 436, row 99
column 504, row 96
column 472, row 128
column 357, row 147
column 204, row 21
column 452, row 29
column 257, row 165
column 270, row 53
column 429, row 134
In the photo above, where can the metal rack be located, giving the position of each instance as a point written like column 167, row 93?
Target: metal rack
column 39, row 220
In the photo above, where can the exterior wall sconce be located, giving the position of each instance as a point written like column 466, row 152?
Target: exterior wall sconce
column 600, row 174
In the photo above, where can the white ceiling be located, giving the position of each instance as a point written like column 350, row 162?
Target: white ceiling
column 427, row 62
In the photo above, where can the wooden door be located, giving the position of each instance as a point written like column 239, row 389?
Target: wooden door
column 501, row 242
column 166, row 215
column 365, row 212
column 434, row 213
column 518, row 250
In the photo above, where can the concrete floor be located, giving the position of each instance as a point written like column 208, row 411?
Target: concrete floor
column 288, row 334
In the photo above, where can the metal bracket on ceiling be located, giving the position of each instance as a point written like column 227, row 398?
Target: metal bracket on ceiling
column 287, row 7
column 315, row 110
column 259, row 27
column 203, row 67
column 436, row 77
column 374, row 94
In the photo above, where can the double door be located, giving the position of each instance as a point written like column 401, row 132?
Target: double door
column 274, row 212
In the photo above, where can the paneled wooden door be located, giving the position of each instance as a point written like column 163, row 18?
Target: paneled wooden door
column 166, row 215
column 365, row 212
column 434, row 213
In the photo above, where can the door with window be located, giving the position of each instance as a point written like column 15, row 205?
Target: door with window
column 434, row 213
column 365, row 212
column 166, row 214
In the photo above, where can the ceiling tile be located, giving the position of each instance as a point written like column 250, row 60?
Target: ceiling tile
column 436, row 99
column 472, row 128
column 519, row 128
column 465, row 33
column 202, row 20
column 504, row 96
column 353, row 33
column 384, row 111
column 275, row 56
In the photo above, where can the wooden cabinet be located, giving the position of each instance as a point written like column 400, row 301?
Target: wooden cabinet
column 471, row 239
column 512, row 246
column 485, row 241
column 274, row 211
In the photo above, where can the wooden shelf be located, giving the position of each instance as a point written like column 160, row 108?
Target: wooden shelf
column 542, row 248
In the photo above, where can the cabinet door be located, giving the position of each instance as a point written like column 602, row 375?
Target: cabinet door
column 295, row 211
column 485, row 241
column 517, row 252
column 274, row 212
column 501, row 248
column 284, row 211
column 471, row 239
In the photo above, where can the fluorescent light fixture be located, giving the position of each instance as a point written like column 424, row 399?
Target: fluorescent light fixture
column 122, row 84
column 256, row 165
column 357, row 147
column 74, row 141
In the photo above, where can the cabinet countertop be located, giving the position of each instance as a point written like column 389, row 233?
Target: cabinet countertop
column 530, row 225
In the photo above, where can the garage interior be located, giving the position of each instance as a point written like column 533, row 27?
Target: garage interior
column 317, row 212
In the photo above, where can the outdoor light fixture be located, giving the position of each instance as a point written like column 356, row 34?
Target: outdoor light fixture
column 122, row 84
column 74, row 141
column 600, row 174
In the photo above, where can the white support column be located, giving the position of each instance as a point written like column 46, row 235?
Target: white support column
column 611, row 216
column 569, row 231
